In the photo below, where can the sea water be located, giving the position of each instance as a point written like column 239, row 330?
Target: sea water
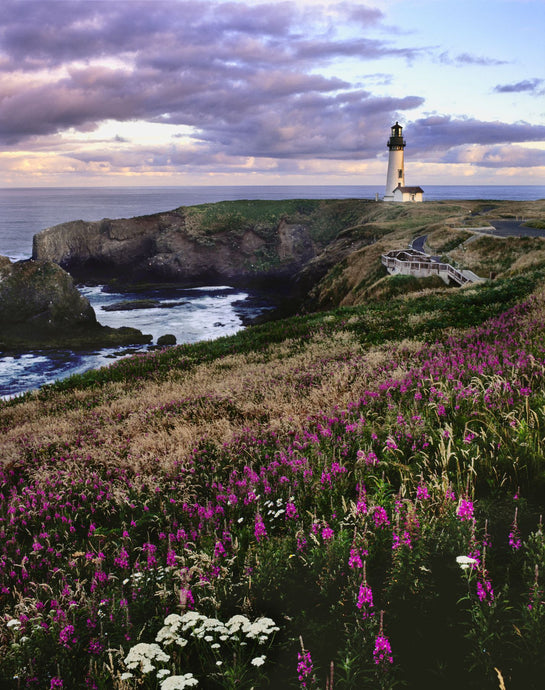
column 200, row 314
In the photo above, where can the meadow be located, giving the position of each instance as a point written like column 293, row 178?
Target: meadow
column 344, row 499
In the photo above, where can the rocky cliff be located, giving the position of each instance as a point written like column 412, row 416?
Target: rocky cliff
column 40, row 307
column 178, row 246
column 322, row 252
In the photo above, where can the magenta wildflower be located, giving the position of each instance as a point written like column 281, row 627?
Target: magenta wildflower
column 305, row 668
column 122, row 560
column 219, row 549
column 186, row 598
column 370, row 458
column 391, row 444
column 56, row 682
column 95, row 646
column 259, row 528
column 484, row 589
column 514, row 535
column 465, row 509
column 291, row 511
column 403, row 540
column 422, row 493
column 354, row 561
column 65, row 637
column 327, row 533
column 381, row 517
column 301, row 541
column 365, row 600
column 383, row 651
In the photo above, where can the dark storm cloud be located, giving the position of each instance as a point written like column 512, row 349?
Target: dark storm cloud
column 528, row 85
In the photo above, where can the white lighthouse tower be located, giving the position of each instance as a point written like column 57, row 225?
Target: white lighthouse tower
column 396, row 166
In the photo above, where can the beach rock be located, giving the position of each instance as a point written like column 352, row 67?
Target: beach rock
column 41, row 307
column 167, row 339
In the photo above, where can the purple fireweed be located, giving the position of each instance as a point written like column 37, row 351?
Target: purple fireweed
column 465, row 509
column 305, row 669
column 354, row 560
column 380, row 517
column 327, row 533
column 514, row 535
column 382, row 653
column 370, row 459
column 260, row 532
column 365, row 600
column 66, row 636
column 403, row 540
column 422, row 493
column 484, row 589
column 291, row 511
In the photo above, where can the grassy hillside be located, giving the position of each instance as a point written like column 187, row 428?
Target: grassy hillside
column 352, row 273
column 287, row 506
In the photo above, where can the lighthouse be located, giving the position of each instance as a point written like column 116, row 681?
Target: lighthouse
column 396, row 163
column 395, row 178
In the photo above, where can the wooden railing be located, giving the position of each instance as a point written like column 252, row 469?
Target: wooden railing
column 413, row 262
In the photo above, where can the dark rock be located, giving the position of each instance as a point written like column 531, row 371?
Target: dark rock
column 167, row 339
column 174, row 247
column 41, row 307
column 128, row 305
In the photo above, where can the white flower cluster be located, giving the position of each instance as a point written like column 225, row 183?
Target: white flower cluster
column 179, row 682
column 211, row 629
column 466, row 562
column 178, row 629
column 141, row 656
column 274, row 510
column 259, row 630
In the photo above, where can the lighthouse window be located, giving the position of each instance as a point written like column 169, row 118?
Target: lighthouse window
column 400, row 173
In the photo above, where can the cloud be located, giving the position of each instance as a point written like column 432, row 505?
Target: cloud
column 464, row 59
column 527, row 85
column 507, row 156
column 247, row 84
column 246, row 78
column 445, row 132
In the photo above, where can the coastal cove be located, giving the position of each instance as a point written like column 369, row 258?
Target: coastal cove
column 191, row 315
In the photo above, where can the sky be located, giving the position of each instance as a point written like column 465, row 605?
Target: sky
column 244, row 92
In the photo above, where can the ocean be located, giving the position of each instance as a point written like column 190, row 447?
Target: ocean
column 207, row 312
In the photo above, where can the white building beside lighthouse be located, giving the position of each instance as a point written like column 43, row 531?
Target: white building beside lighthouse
column 395, row 178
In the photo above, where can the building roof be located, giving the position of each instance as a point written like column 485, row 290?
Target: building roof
column 409, row 190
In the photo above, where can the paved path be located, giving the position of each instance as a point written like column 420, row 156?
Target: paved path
column 510, row 228
column 418, row 244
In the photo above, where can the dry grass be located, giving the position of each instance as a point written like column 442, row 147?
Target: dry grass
column 162, row 422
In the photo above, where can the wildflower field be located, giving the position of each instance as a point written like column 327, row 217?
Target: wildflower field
column 349, row 499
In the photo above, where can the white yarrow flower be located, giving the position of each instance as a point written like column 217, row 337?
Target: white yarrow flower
column 466, row 562
column 179, row 682
column 142, row 654
column 258, row 660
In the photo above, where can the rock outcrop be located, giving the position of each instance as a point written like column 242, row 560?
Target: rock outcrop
column 176, row 246
column 41, row 307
